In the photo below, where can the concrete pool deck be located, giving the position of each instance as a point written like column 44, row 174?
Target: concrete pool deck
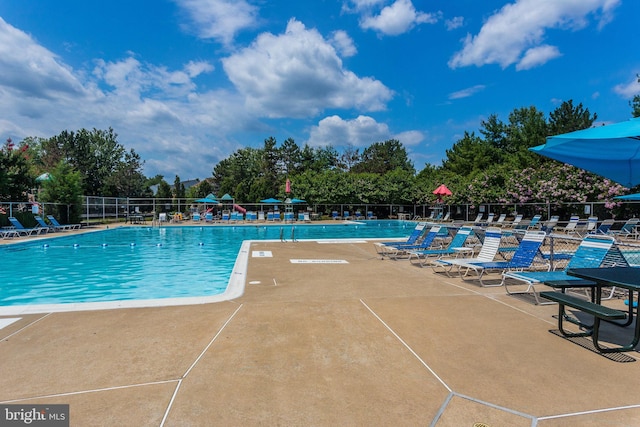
column 320, row 342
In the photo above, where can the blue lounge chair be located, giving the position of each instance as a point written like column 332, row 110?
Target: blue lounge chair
column 59, row 226
column 395, row 251
column 590, row 254
column 43, row 224
column 523, row 258
column 422, row 256
column 604, row 227
column 370, row 215
column 23, row 231
column 196, row 217
column 411, row 240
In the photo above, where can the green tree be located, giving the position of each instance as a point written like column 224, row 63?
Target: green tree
column 468, row 155
column 635, row 102
column 383, row 157
column 567, row 118
column 127, row 180
column 95, row 154
column 15, row 180
column 64, row 189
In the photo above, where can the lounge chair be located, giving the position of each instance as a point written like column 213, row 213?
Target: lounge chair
column 346, row 215
column 478, row 220
column 604, row 227
column 398, row 250
column 8, row 233
column 359, row 216
column 43, row 224
column 57, row 225
column 411, row 240
column 196, row 217
column 489, row 221
column 588, row 227
column 523, row 258
column 590, row 254
column 23, row 231
column 208, row 217
column 335, row 215
column 628, row 228
column 487, row 253
column 571, row 226
column 370, row 215
column 501, row 219
column 422, row 256
column 550, row 224
column 261, row 216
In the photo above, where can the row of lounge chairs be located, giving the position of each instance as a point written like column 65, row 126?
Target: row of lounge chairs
column 517, row 255
column 17, row 229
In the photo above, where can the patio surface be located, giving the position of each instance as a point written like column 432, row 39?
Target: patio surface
column 319, row 343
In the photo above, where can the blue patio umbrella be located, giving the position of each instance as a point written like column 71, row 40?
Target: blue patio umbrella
column 631, row 197
column 271, row 201
column 294, row 201
column 611, row 151
column 208, row 201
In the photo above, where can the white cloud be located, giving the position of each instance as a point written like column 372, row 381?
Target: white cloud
column 536, row 56
column 359, row 132
column 220, row 20
column 628, row 90
column 465, row 93
column 29, row 70
column 397, row 19
column 299, row 74
column 343, row 43
column 454, row 23
column 521, row 26
column 156, row 111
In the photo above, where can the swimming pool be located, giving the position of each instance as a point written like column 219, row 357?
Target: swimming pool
column 144, row 263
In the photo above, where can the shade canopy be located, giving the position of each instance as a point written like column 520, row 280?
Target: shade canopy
column 635, row 196
column 271, row 201
column 442, row 190
column 207, row 200
column 226, row 197
column 611, row 151
column 294, row 201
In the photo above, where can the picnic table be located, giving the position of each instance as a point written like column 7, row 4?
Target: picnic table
column 597, row 278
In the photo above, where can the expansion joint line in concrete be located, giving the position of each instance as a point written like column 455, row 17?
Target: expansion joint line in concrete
column 195, row 362
column 407, row 347
column 25, row 327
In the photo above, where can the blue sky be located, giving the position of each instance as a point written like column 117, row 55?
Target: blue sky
column 188, row 82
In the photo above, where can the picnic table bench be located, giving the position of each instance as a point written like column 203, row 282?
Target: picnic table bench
column 597, row 278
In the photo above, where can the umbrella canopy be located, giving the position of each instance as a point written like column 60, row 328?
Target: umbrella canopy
column 611, row 151
column 294, row 200
column 207, row 200
column 226, row 198
column 635, row 196
column 44, row 177
column 442, row 190
column 271, row 201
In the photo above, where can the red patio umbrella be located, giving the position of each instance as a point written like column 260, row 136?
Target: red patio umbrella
column 442, row 190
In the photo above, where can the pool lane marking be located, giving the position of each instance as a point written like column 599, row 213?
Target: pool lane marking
column 408, row 347
column 195, row 362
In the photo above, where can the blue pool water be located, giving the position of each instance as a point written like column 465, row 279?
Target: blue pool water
column 148, row 263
